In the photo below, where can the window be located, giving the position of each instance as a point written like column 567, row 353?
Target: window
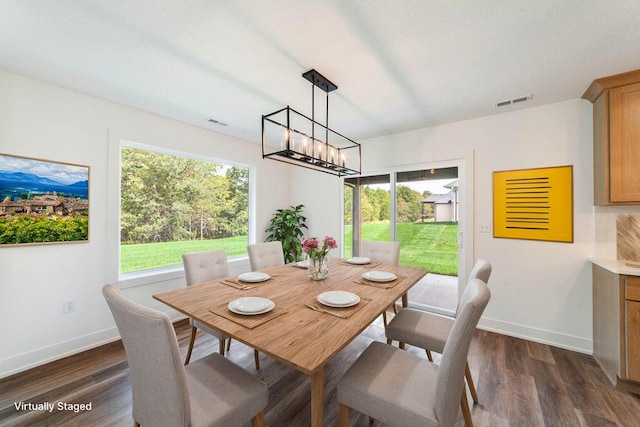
column 172, row 203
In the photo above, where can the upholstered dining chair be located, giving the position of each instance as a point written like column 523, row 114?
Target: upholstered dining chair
column 430, row 331
column 401, row 389
column 201, row 267
column 264, row 255
column 388, row 252
column 210, row 391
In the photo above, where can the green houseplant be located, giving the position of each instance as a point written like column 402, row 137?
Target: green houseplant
column 286, row 227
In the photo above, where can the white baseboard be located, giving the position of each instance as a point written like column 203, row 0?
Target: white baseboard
column 565, row 341
column 23, row 361
column 32, row 359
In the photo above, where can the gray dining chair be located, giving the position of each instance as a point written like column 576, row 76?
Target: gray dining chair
column 201, row 267
column 430, row 331
column 210, row 391
column 387, row 252
column 265, row 255
column 401, row 389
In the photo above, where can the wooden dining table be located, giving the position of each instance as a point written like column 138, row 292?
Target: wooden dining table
column 294, row 332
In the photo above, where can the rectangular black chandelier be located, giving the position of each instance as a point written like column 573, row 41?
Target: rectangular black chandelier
column 291, row 137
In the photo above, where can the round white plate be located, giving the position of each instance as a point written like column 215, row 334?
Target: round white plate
column 338, row 299
column 379, row 276
column 250, row 306
column 254, row 276
column 359, row 260
column 303, row 264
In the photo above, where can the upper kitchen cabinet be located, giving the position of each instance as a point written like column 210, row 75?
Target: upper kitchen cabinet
column 616, row 138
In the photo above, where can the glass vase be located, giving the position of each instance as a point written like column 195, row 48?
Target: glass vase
column 318, row 268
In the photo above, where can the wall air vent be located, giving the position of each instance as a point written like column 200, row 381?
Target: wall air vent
column 514, row 101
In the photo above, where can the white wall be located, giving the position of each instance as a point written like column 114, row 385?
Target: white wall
column 48, row 122
column 540, row 290
column 322, row 196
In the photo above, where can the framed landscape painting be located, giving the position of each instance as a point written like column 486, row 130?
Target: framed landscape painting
column 42, row 201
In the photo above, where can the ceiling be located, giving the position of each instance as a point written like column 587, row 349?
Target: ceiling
column 398, row 65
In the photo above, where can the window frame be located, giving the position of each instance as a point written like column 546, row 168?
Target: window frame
column 166, row 273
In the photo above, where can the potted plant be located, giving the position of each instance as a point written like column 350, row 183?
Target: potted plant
column 286, row 227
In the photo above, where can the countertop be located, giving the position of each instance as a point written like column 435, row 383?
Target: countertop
column 617, row 266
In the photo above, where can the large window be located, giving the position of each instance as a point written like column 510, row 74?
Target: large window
column 171, row 204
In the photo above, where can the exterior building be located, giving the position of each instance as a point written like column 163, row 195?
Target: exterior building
column 445, row 206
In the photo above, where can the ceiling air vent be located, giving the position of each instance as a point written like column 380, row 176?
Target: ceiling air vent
column 513, row 101
column 216, row 122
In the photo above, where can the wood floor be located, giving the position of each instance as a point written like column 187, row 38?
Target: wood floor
column 519, row 383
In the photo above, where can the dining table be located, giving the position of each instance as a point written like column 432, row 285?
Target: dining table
column 306, row 322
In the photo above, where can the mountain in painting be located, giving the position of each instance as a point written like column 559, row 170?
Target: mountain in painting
column 20, row 185
column 27, row 178
column 80, row 184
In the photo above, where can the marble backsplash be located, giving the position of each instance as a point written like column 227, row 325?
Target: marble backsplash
column 628, row 237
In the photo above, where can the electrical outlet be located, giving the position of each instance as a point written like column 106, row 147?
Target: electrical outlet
column 68, row 306
column 484, row 227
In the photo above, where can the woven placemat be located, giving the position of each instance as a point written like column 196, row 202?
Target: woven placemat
column 344, row 312
column 385, row 285
column 235, row 284
column 369, row 265
column 247, row 321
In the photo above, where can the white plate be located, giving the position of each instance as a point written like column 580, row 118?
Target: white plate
column 359, row 260
column 338, row 299
column 250, row 306
column 379, row 276
column 254, row 276
column 303, row 264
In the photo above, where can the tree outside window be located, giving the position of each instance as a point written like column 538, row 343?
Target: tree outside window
column 171, row 204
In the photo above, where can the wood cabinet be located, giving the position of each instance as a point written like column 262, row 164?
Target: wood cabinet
column 616, row 138
column 616, row 326
column 632, row 327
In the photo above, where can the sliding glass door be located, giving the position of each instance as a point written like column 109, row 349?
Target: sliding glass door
column 367, row 211
column 417, row 208
column 427, row 219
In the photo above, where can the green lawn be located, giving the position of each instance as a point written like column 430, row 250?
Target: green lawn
column 153, row 255
column 429, row 245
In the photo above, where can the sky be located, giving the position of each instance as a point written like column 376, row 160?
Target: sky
column 434, row 186
column 62, row 172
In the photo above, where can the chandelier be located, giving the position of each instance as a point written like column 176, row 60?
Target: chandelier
column 291, row 137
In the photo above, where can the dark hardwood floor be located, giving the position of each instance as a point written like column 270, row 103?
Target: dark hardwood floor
column 519, row 383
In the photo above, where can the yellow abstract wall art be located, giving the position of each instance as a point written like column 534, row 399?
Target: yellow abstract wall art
column 534, row 204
